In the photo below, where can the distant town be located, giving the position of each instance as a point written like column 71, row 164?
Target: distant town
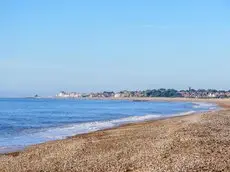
column 190, row 93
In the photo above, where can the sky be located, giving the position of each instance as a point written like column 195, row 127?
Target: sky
column 84, row 46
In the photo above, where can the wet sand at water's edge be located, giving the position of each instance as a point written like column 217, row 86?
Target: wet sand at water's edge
column 199, row 142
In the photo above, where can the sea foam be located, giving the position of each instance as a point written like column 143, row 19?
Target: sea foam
column 82, row 128
column 35, row 136
column 205, row 106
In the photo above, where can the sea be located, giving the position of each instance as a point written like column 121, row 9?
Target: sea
column 28, row 121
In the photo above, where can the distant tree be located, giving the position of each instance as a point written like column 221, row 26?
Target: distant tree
column 201, row 90
column 162, row 93
column 192, row 90
column 212, row 91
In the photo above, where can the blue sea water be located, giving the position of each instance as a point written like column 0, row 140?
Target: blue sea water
column 25, row 122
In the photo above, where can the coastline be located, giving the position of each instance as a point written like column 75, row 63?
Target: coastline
column 123, row 121
column 223, row 102
column 114, row 134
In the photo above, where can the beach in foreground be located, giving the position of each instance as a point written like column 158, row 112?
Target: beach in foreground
column 198, row 142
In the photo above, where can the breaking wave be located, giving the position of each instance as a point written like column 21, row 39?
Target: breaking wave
column 204, row 106
column 61, row 132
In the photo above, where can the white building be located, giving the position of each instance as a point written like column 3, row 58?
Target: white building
column 211, row 95
column 117, row 95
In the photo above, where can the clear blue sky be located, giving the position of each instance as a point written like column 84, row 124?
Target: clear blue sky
column 51, row 45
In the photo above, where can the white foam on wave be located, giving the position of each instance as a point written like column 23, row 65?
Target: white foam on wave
column 203, row 105
column 62, row 132
column 58, row 133
column 184, row 113
column 75, row 129
column 81, row 128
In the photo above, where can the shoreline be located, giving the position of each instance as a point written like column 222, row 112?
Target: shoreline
column 17, row 149
column 115, row 133
column 5, row 150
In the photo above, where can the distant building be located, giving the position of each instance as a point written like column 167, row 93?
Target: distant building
column 117, row 95
column 61, row 94
column 211, row 95
column 190, row 93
